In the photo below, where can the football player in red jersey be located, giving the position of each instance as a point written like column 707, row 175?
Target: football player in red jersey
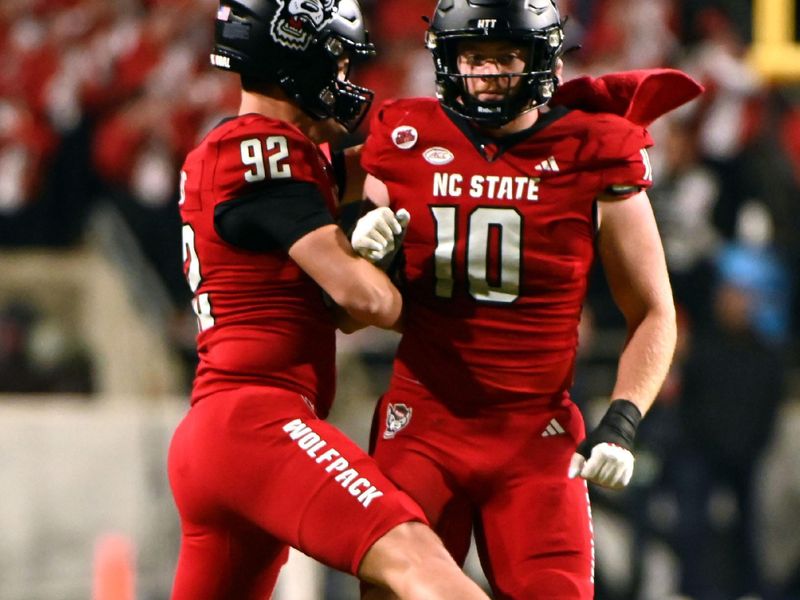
column 253, row 467
column 509, row 203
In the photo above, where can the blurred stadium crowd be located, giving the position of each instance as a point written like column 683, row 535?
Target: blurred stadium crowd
column 100, row 101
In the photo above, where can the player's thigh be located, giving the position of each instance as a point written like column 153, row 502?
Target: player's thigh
column 414, row 461
column 538, row 543
column 337, row 499
column 261, row 454
column 227, row 560
column 534, row 534
column 308, row 484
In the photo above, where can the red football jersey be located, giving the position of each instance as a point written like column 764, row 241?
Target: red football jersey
column 262, row 319
column 500, row 243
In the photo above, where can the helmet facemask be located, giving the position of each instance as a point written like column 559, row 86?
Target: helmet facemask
column 532, row 25
column 325, row 91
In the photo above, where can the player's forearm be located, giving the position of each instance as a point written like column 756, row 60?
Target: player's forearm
column 355, row 174
column 646, row 358
column 344, row 322
column 370, row 298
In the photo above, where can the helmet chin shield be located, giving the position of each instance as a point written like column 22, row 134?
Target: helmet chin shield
column 533, row 25
column 299, row 45
column 350, row 103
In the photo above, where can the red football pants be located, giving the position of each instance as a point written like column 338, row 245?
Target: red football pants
column 501, row 472
column 254, row 471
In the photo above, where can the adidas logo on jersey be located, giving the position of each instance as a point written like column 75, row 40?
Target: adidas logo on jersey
column 549, row 164
column 553, row 428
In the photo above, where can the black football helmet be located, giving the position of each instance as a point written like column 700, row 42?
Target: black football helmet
column 297, row 44
column 534, row 24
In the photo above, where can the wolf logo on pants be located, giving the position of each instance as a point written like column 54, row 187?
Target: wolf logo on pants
column 397, row 417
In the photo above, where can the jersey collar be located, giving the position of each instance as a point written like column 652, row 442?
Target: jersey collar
column 492, row 148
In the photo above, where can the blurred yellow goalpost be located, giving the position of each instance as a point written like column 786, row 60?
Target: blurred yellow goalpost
column 775, row 52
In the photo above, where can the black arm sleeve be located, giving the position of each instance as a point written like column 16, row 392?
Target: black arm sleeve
column 274, row 218
column 339, row 171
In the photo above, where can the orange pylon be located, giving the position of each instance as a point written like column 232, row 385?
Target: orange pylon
column 113, row 569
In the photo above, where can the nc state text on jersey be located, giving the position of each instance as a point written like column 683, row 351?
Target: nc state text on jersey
column 487, row 187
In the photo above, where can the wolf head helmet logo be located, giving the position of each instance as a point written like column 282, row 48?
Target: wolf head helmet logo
column 297, row 21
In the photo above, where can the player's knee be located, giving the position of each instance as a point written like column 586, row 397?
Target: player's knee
column 401, row 552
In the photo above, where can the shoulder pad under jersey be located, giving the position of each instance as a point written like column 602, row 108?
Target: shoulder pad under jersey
column 611, row 146
column 396, row 125
column 251, row 152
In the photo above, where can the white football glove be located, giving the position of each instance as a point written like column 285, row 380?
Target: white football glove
column 605, row 456
column 609, row 465
column 375, row 234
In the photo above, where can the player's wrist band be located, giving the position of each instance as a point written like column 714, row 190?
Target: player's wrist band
column 622, row 417
column 350, row 213
column 618, row 427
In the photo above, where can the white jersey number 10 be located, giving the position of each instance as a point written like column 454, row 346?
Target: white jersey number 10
column 507, row 224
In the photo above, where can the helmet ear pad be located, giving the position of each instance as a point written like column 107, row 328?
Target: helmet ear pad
column 534, row 25
column 297, row 45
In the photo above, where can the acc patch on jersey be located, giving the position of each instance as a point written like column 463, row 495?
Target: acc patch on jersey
column 404, row 137
column 438, row 155
column 398, row 417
